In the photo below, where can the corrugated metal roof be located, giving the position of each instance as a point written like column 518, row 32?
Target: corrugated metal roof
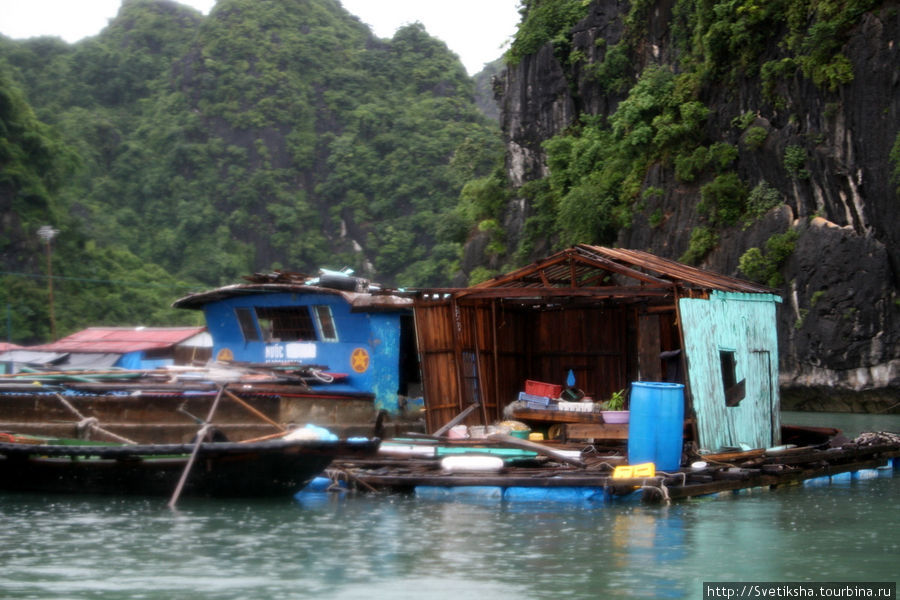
column 598, row 266
column 359, row 300
column 121, row 340
column 26, row 355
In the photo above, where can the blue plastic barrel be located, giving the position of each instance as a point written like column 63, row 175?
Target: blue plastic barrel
column 656, row 427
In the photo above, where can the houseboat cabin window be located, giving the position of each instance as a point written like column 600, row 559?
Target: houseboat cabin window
column 247, row 323
column 285, row 323
column 326, row 323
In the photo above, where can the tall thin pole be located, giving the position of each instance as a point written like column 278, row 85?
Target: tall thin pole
column 47, row 233
column 50, row 292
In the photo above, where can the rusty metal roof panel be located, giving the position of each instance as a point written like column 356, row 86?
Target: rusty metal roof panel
column 120, row 339
column 676, row 271
column 597, row 266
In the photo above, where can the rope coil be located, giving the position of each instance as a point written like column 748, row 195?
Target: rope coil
column 322, row 376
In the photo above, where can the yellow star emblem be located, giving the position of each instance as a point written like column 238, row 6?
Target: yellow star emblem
column 359, row 360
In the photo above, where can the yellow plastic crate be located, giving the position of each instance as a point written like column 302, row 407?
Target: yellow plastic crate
column 634, row 471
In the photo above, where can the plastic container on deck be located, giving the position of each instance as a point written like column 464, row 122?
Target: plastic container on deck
column 539, row 388
column 656, row 430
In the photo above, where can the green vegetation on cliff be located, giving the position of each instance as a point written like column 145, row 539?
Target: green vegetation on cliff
column 92, row 284
column 176, row 150
column 599, row 167
column 545, row 21
column 269, row 134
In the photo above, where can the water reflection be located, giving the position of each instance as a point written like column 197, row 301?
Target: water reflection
column 382, row 546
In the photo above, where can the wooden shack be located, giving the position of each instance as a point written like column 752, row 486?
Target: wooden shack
column 611, row 317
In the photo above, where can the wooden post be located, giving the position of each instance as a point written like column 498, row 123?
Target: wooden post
column 482, row 399
column 498, row 402
column 649, row 366
column 690, row 411
column 457, row 352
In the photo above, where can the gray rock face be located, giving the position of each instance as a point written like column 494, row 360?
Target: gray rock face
column 840, row 342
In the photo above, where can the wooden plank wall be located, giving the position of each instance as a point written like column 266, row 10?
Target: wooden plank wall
column 487, row 350
column 591, row 341
column 434, row 330
column 513, row 351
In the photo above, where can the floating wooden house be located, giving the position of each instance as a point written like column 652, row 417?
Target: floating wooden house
column 611, row 317
column 359, row 338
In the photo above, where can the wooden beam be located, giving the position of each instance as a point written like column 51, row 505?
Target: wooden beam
column 609, row 431
column 544, row 279
column 538, row 293
column 524, row 271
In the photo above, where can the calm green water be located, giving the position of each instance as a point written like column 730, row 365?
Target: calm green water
column 400, row 547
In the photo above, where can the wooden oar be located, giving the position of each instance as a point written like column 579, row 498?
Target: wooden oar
column 200, row 436
column 539, row 448
column 255, row 411
column 265, row 438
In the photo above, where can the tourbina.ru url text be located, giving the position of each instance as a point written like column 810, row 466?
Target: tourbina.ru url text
column 769, row 589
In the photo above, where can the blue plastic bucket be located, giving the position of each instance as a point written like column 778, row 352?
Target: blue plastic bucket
column 656, row 430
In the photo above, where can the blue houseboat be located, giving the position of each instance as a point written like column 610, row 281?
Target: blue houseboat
column 358, row 340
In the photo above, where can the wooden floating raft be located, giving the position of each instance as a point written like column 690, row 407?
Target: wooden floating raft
column 541, row 478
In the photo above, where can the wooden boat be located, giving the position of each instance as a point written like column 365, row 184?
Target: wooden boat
column 220, row 469
column 165, row 405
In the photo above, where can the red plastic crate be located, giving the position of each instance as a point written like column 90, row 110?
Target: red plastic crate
column 538, row 388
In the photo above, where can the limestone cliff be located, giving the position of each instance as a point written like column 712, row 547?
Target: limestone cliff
column 822, row 129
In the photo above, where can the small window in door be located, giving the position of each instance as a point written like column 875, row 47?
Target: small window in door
column 326, row 323
column 247, row 323
column 726, row 358
column 735, row 390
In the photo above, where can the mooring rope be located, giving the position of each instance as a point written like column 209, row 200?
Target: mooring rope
column 338, row 475
column 91, row 424
column 662, row 489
